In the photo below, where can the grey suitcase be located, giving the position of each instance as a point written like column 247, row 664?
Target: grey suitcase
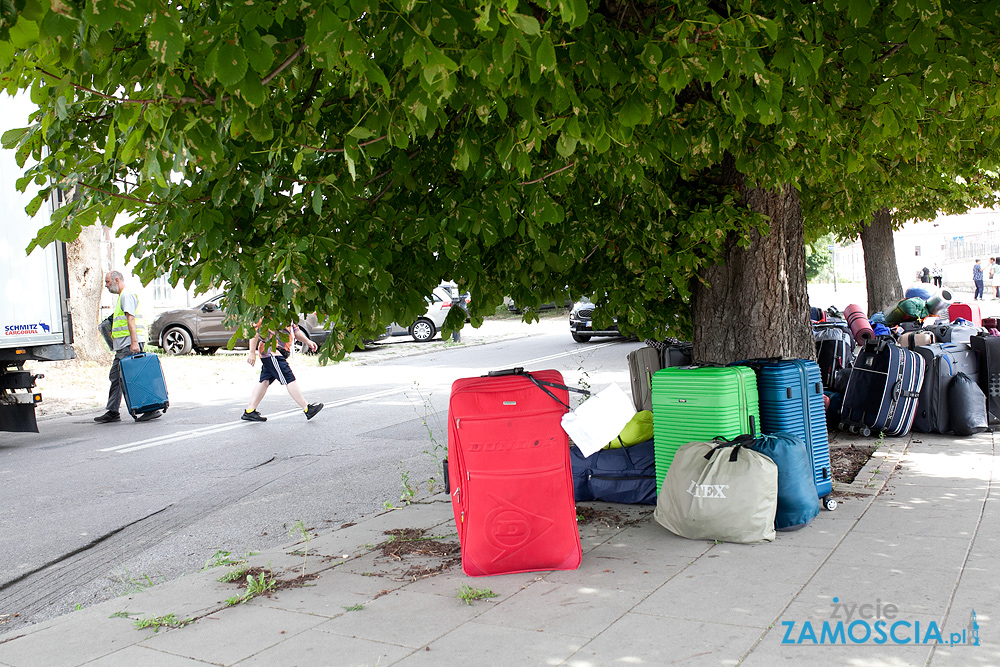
column 642, row 363
column 954, row 333
column 942, row 361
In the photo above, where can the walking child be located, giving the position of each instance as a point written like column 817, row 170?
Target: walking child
column 274, row 366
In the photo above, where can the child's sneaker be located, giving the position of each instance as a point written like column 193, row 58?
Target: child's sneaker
column 313, row 409
column 253, row 416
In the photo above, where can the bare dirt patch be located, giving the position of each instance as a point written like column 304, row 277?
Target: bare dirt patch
column 847, row 462
column 608, row 518
column 423, row 555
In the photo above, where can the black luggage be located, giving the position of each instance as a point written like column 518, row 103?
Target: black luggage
column 621, row 475
column 987, row 349
column 942, row 362
column 834, row 350
column 882, row 392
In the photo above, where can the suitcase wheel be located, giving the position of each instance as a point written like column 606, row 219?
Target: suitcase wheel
column 866, row 432
column 829, row 503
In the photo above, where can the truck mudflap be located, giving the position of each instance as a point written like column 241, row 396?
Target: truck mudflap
column 18, row 418
column 18, row 398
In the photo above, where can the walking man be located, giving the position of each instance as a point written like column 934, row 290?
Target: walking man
column 274, row 366
column 127, row 333
column 977, row 278
column 937, row 273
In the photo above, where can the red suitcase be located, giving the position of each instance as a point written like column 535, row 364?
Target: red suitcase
column 510, row 475
column 967, row 311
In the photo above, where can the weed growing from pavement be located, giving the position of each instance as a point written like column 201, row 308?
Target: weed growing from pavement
column 467, row 594
column 123, row 614
column 425, row 411
column 355, row 607
column 299, row 530
column 157, row 622
column 236, row 574
column 129, row 584
column 221, row 558
column 259, row 585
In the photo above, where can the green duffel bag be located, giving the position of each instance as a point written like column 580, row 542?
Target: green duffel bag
column 719, row 491
column 638, row 429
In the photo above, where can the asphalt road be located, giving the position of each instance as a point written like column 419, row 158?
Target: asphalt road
column 91, row 512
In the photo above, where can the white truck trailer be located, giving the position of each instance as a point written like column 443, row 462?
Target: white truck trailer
column 35, row 321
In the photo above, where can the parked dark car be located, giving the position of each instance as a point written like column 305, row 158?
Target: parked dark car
column 581, row 325
column 201, row 329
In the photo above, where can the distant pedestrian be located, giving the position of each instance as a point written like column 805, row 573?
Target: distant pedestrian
column 925, row 275
column 990, row 272
column 977, row 278
column 996, row 277
column 127, row 333
column 273, row 366
column 937, row 274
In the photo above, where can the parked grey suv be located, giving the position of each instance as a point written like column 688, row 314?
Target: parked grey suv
column 201, row 329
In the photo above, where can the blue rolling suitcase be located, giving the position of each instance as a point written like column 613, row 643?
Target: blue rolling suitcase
column 143, row 384
column 791, row 401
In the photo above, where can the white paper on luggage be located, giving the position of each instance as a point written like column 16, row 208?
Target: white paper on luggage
column 598, row 420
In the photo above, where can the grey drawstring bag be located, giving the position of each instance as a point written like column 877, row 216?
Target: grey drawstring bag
column 719, row 491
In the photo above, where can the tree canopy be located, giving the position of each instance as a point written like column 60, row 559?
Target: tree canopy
column 343, row 156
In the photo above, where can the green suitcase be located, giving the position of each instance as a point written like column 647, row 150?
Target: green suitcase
column 698, row 403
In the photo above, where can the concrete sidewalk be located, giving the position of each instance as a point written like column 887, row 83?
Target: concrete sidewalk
column 912, row 545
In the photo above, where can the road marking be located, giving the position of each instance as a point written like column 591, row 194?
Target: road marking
column 219, row 428
column 568, row 353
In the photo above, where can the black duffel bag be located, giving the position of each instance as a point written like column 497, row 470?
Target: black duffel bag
column 622, row 475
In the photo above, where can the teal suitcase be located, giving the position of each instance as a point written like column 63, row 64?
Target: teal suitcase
column 698, row 403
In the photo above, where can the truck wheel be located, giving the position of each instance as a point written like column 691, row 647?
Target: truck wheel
column 580, row 338
column 422, row 330
column 176, row 341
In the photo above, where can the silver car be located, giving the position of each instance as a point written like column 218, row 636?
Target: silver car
column 439, row 304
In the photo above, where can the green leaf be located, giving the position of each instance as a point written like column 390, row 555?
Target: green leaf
column 546, row 55
column 566, row 145
column 259, row 53
column 526, row 24
column 859, row 12
column 231, row 64
column 317, row 201
column 11, row 138
column 166, row 38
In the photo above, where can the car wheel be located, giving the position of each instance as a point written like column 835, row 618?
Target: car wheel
column 176, row 341
column 298, row 346
column 580, row 338
column 206, row 350
column 422, row 330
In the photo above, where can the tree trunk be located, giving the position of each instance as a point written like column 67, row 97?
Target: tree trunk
column 755, row 303
column 881, row 272
column 86, row 280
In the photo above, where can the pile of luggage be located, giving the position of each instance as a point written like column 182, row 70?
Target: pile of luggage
column 731, row 453
column 926, row 364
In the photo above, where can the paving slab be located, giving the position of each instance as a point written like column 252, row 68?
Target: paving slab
column 404, row 618
column 916, row 574
column 567, row 609
column 313, row 647
column 233, row 634
column 329, row 595
column 943, row 512
column 146, row 657
column 476, row 643
column 71, row 640
column 679, row 641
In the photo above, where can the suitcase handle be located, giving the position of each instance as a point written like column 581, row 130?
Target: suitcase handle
column 541, row 384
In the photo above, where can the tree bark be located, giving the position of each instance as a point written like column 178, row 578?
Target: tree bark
column 86, row 280
column 754, row 303
column 881, row 272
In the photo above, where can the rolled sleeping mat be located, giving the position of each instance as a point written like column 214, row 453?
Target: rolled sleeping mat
column 938, row 301
column 859, row 324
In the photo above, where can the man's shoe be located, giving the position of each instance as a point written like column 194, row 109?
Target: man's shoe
column 253, row 416
column 148, row 416
column 313, row 409
column 108, row 417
